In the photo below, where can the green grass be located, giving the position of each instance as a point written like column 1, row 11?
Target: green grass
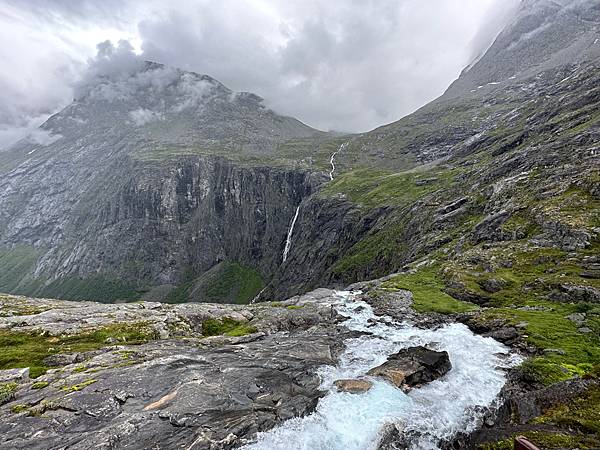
column 581, row 414
column 15, row 264
column 227, row 283
column 545, row 329
column 376, row 188
column 547, row 441
column 20, row 349
column 226, row 326
column 427, row 289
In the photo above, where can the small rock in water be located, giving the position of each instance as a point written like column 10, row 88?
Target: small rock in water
column 353, row 386
column 413, row 366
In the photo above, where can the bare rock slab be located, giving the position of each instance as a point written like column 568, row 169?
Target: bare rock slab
column 413, row 366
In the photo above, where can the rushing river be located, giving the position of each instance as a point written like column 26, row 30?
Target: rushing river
column 438, row 410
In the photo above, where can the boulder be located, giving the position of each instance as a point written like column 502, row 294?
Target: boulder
column 567, row 292
column 492, row 285
column 14, row 375
column 353, row 386
column 413, row 366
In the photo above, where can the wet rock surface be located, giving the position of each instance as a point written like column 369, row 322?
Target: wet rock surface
column 413, row 366
column 182, row 390
column 353, row 386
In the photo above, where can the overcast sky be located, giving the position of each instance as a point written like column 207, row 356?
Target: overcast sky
column 347, row 65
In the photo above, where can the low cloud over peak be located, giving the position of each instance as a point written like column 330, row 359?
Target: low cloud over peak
column 344, row 64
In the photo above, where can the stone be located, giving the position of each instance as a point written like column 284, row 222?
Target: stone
column 568, row 293
column 577, row 318
column 413, row 366
column 353, row 386
column 493, row 285
column 585, row 330
column 14, row 375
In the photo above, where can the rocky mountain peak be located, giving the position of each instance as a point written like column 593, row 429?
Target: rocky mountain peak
column 542, row 35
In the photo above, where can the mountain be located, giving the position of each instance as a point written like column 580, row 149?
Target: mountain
column 472, row 223
column 150, row 180
column 147, row 177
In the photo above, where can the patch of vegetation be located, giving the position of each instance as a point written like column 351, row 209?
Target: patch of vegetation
column 373, row 254
column 18, row 409
column 581, row 414
column 40, row 385
column 95, row 288
column 375, row 188
column 574, row 207
column 79, row 386
column 22, row 349
column 427, row 287
column 547, row 441
column 226, row 326
column 15, row 264
column 226, row 283
column 7, row 392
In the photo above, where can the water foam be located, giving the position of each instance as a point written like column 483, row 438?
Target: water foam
column 435, row 412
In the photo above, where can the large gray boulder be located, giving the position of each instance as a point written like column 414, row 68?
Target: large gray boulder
column 413, row 366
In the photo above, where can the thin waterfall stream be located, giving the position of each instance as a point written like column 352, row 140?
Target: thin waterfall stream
column 331, row 160
column 288, row 241
column 431, row 414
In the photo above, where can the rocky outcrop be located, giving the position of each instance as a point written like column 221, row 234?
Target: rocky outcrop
column 178, row 389
column 413, row 366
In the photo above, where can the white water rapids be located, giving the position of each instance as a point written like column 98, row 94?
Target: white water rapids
column 288, row 241
column 436, row 411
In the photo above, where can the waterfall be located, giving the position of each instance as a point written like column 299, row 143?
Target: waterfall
column 257, row 296
column 434, row 412
column 288, row 241
column 344, row 145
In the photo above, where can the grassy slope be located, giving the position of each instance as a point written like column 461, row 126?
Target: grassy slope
column 226, row 283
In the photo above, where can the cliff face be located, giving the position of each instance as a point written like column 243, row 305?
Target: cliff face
column 148, row 181
column 129, row 191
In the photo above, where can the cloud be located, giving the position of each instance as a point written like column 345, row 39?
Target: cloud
column 348, row 65
column 143, row 116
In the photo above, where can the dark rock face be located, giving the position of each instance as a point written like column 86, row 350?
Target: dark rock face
column 413, row 366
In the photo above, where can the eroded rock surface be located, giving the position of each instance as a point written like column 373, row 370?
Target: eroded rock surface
column 178, row 391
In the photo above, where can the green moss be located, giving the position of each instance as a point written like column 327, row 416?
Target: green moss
column 40, row 385
column 295, row 307
column 427, row 289
column 581, row 414
column 79, row 386
column 549, row 329
column 19, row 349
column 18, row 409
column 7, row 392
column 226, row 326
column 547, row 441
